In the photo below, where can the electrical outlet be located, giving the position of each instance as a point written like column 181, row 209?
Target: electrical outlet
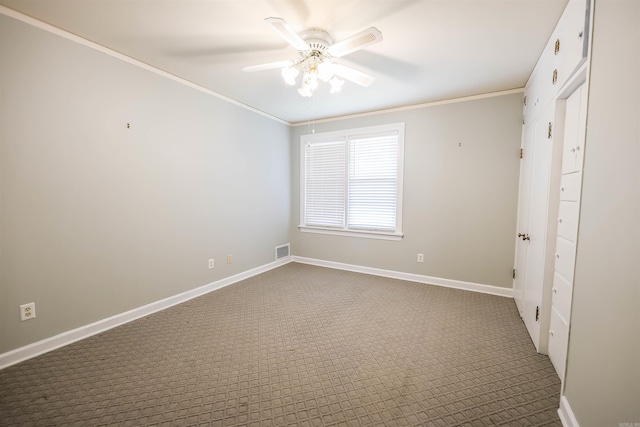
column 420, row 257
column 229, row 259
column 211, row 263
column 27, row 311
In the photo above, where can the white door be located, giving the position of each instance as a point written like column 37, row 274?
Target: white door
column 538, row 217
column 522, row 228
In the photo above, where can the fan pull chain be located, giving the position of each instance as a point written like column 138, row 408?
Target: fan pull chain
column 313, row 114
column 309, row 121
column 311, row 124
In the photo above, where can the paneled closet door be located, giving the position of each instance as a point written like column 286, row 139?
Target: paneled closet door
column 522, row 228
column 573, row 38
column 538, row 223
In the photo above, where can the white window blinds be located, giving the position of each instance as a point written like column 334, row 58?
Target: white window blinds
column 372, row 185
column 325, row 192
column 352, row 181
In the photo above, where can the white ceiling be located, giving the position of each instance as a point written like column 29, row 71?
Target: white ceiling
column 432, row 49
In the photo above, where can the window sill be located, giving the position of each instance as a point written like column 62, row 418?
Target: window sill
column 369, row 234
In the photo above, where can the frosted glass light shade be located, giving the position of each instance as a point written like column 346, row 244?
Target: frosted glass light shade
column 289, row 75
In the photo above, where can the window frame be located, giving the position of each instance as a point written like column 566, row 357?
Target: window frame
column 347, row 135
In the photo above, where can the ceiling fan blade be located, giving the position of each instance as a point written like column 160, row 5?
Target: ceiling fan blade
column 270, row 65
column 288, row 33
column 355, row 42
column 353, row 75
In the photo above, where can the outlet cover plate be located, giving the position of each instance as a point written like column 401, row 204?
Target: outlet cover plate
column 27, row 311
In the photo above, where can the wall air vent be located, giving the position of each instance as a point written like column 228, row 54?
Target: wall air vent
column 282, row 251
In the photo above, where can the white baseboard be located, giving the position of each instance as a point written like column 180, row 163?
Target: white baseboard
column 35, row 349
column 448, row 283
column 566, row 414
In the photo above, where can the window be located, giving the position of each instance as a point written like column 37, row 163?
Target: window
column 351, row 182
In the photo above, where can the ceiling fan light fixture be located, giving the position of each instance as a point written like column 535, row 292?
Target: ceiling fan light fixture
column 325, row 70
column 317, row 52
column 336, row 84
column 305, row 90
column 311, row 79
column 289, row 75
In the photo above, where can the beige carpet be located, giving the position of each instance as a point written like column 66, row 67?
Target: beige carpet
column 298, row 345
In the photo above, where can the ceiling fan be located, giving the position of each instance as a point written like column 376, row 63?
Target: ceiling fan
column 317, row 53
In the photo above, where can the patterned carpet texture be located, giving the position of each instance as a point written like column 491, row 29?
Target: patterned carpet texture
column 303, row 346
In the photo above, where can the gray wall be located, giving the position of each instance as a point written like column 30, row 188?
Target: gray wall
column 603, row 368
column 97, row 219
column 460, row 202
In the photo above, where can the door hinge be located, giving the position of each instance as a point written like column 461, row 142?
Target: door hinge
column 549, row 131
column 537, row 313
column 525, row 100
column 514, row 273
column 521, row 153
column 556, row 47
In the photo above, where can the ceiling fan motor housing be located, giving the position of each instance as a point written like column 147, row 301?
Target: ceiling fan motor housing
column 317, row 39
